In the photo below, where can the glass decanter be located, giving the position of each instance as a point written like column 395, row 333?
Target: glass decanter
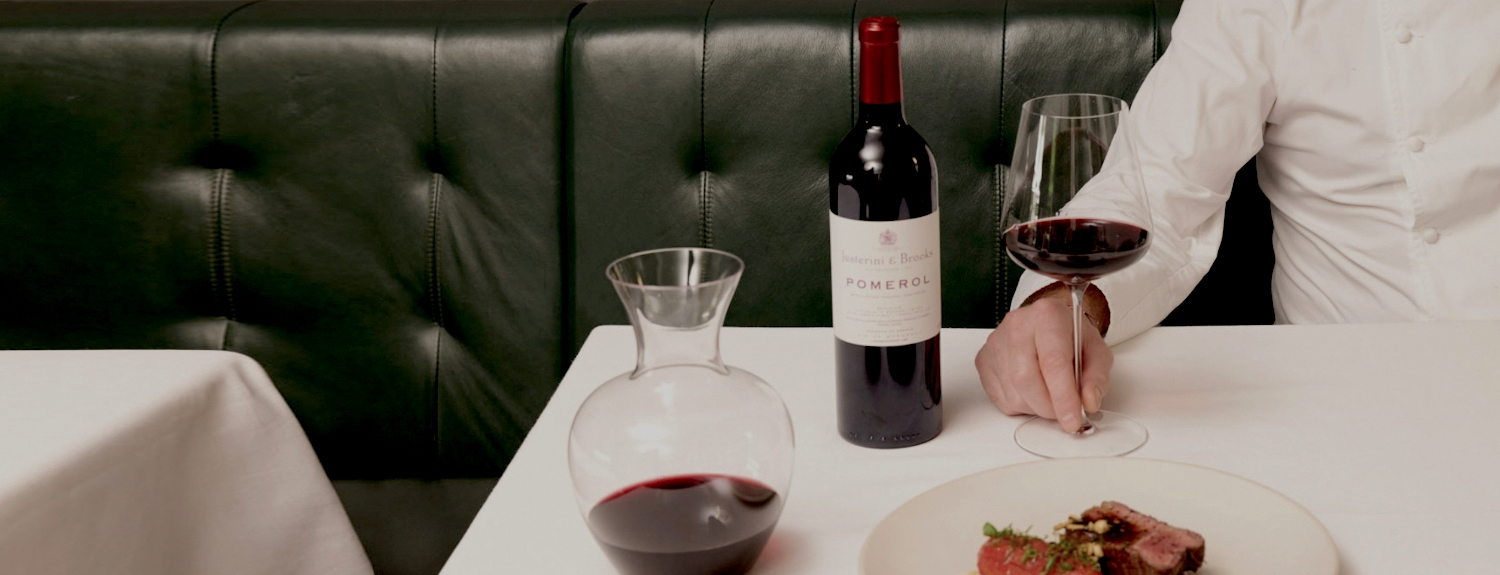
column 681, row 466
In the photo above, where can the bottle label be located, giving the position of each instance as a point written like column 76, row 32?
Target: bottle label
column 887, row 280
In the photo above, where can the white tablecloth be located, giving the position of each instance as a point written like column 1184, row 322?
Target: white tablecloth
column 159, row 463
column 1387, row 433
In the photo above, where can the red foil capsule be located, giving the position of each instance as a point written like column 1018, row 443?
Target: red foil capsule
column 879, row 60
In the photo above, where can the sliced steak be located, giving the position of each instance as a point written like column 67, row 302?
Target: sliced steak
column 1138, row 544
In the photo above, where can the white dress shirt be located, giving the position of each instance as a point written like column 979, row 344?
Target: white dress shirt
column 1376, row 128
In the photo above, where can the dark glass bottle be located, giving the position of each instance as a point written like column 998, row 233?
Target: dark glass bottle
column 887, row 290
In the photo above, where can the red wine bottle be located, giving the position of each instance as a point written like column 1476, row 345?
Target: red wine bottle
column 887, row 284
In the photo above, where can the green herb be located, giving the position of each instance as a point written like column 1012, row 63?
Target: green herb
column 1009, row 533
column 1066, row 554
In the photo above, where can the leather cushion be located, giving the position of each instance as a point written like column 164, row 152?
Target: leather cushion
column 364, row 197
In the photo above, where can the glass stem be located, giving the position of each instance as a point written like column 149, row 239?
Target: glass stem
column 1086, row 426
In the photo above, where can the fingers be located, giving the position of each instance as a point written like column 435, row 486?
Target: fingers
column 1098, row 360
column 989, row 364
column 1026, row 365
column 1008, row 369
column 1025, row 380
column 1054, row 351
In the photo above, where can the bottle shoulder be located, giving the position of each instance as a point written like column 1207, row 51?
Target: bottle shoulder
column 882, row 173
column 868, row 141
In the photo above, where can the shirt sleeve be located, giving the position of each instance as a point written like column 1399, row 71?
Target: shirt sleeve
column 1198, row 117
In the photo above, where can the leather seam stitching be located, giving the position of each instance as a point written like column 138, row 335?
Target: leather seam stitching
column 435, row 287
column 1002, row 271
column 214, row 214
column 705, row 186
column 225, row 251
column 568, row 249
column 220, row 275
column 853, row 84
column 435, row 190
column 1155, row 32
column 1002, row 279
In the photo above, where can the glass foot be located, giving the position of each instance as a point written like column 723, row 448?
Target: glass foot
column 1113, row 434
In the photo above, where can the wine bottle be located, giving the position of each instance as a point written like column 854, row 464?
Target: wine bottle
column 887, row 280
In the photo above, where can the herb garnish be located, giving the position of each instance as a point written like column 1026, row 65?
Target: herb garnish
column 1063, row 554
column 1067, row 554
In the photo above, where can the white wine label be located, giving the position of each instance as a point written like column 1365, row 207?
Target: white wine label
column 887, row 280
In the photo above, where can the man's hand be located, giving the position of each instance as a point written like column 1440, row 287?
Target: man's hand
column 1026, row 365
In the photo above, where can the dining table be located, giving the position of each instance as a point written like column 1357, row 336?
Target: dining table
column 1385, row 433
column 155, row 462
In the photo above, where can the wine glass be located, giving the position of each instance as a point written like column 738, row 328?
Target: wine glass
column 1076, row 210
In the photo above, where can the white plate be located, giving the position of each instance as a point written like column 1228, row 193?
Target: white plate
column 1247, row 528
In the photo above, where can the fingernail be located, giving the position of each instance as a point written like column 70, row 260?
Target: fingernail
column 1068, row 421
column 1098, row 398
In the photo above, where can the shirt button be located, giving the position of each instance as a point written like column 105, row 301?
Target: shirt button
column 1430, row 235
column 1403, row 34
column 1415, row 144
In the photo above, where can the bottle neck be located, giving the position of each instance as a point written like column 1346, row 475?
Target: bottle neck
column 879, row 73
column 882, row 114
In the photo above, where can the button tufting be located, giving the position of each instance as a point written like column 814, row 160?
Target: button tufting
column 1430, row 235
column 1415, row 144
column 1403, row 34
column 222, row 156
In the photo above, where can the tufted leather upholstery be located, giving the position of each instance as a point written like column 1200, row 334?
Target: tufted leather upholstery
column 688, row 109
column 364, row 197
column 403, row 209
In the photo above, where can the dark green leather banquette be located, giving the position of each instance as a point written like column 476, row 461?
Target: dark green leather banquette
column 403, row 209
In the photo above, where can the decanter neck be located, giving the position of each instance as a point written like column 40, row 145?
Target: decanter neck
column 676, row 298
column 666, row 346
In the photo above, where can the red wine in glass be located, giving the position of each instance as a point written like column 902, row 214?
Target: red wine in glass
column 1073, row 250
column 703, row 524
